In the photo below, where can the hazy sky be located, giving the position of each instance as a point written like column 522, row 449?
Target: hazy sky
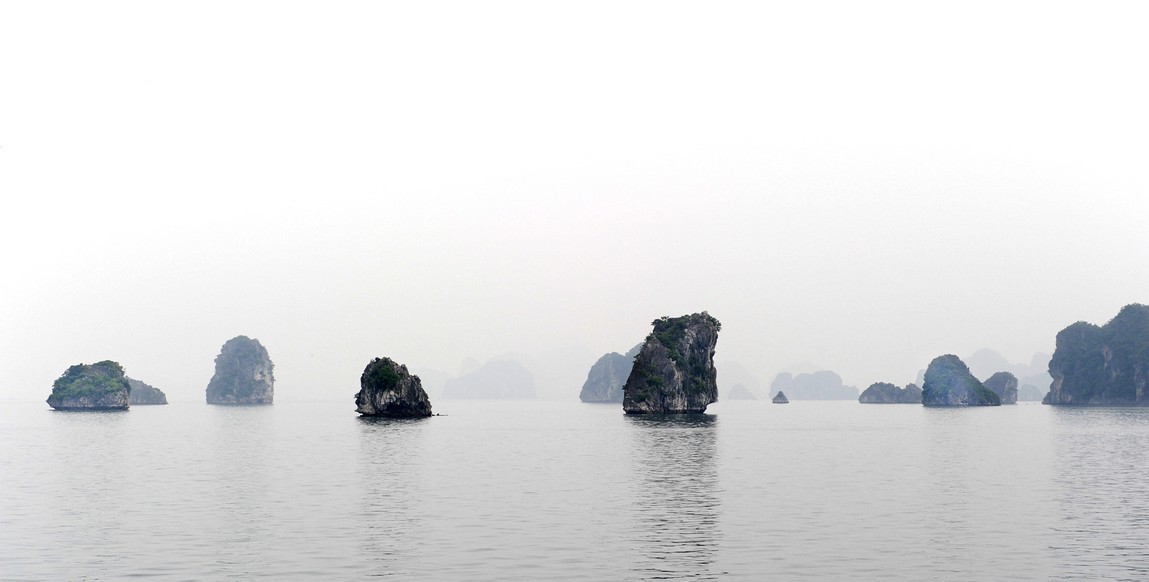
column 860, row 185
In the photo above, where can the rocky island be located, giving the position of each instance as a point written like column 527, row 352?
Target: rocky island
column 674, row 371
column 386, row 388
column 243, row 374
column 886, row 393
column 607, row 376
column 99, row 386
column 949, row 382
column 145, row 394
column 1004, row 384
column 780, row 398
column 1103, row 366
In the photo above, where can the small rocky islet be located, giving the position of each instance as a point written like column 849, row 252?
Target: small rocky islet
column 99, row 386
column 886, row 393
column 144, row 394
column 674, row 371
column 244, row 374
column 387, row 389
column 950, row 383
column 607, row 376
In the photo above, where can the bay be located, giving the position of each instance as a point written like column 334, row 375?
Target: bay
column 530, row 490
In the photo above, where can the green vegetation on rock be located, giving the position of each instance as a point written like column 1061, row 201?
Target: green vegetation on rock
column 99, row 385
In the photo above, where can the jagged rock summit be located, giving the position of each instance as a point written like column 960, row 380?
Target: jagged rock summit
column 949, row 383
column 1004, row 384
column 674, row 371
column 886, row 393
column 607, row 376
column 386, row 388
column 99, row 386
column 243, row 374
column 146, row 394
column 1103, row 366
column 780, row 398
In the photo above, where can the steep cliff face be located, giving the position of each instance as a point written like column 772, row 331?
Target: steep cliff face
column 886, row 393
column 243, row 374
column 949, row 383
column 386, row 388
column 145, row 394
column 1004, row 385
column 607, row 376
column 674, row 372
column 99, row 386
column 1103, row 366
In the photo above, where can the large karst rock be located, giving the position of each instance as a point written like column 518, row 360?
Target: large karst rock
column 386, row 388
column 145, row 394
column 886, row 393
column 948, row 382
column 1004, row 385
column 607, row 376
column 243, row 374
column 99, row 386
column 1103, row 366
column 674, row 372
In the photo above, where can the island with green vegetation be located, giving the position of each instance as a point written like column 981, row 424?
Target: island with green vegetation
column 244, row 374
column 949, row 382
column 99, row 386
column 674, row 371
column 1103, row 366
column 386, row 388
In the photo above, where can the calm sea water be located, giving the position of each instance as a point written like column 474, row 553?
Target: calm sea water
column 571, row 491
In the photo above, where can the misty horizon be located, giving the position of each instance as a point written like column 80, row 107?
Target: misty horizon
column 863, row 188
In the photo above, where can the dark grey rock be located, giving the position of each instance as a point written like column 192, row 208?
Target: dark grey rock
column 1004, row 385
column 780, row 398
column 949, row 383
column 146, row 394
column 885, row 393
column 99, row 386
column 674, row 372
column 386, row 388
column 244, row 374
column 1103, row 366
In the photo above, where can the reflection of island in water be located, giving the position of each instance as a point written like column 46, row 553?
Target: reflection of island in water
column 675, row 528
column 391, row 479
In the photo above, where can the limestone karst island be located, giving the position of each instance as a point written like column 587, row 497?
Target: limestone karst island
column 99, row 386
column 243, row 374
column 386, row 388
column 674, row 370
column 1103, row 366
column 950, row 383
